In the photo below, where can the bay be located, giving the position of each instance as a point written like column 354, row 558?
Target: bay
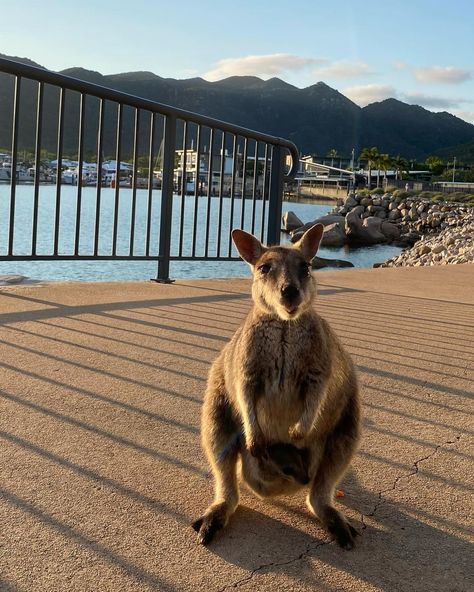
column 106, row 270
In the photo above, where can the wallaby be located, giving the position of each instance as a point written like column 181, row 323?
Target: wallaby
column 284, row 378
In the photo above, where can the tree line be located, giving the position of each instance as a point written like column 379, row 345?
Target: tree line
column 383, row 162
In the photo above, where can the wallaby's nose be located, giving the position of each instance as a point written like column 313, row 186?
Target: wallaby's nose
column 290, row 292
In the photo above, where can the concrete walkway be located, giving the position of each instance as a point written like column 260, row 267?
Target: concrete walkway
column 101, row 470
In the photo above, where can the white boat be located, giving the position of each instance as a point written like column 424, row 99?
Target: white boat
column 22, row 174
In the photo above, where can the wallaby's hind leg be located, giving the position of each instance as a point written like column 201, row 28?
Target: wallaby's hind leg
column 221, row 442
column 339, row 449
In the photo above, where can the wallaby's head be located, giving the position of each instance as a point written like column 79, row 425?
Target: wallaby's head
column 282, row 280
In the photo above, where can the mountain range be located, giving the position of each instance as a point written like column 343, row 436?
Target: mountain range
column 317, row 118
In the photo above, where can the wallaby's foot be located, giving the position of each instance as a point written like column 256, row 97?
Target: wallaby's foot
column 343, row 532
column 212, row 522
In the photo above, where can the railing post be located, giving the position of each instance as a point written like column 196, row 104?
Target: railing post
column 275, row 198
column 167, row 187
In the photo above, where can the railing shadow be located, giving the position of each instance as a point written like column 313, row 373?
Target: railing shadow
column 56, row 309
column 129, row 568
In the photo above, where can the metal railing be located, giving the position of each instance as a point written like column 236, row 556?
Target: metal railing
column 192, row 178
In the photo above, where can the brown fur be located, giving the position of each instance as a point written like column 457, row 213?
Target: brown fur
column 283, row 379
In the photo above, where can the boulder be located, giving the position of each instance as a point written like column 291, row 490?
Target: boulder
column 350, row 202
column 390, row 230
column 11, row 278
column 394, row 215
column 359, row 210
column 291, row 221
column 374, row 209
column 364, row 232
column 366, row 201
column 408, row 239
column 320, row 262
column 324, row 220
column 333, row 236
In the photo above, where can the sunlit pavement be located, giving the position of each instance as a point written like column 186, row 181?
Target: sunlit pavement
column 101, row 466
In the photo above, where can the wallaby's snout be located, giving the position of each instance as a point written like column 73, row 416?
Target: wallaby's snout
column 290, row 293
column 290, row 298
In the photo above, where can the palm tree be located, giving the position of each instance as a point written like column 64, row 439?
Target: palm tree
column 384, row 162
column 435, row 165
column 400, row 165
column 370, row 155
column 332, row 155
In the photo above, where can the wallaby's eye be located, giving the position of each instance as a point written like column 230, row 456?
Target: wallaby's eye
column 265, row 268
column 288, row 471
column 305, row 269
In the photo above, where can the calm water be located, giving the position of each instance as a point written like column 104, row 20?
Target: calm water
column 135, row 270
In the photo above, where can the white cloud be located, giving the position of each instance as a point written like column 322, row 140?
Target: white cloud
column 431, row 101
column 466, row 115
column 344, row 69
column 369, row 93
column 442, row 74
column 264, row 66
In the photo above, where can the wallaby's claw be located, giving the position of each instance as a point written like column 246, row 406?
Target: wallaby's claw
column 295, row 433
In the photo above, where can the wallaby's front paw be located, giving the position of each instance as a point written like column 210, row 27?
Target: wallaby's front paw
column 295, row 432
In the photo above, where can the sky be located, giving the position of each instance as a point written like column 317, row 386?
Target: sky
column 418, row 51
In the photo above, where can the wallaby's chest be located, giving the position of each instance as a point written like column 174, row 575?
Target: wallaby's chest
column 282, row 355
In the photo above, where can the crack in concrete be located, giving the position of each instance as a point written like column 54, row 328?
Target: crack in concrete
column 312, row 547
column 414, row 471
column 309, row 548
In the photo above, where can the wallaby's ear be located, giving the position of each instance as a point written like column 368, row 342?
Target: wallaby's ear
column 309, row 242
column 249, row 247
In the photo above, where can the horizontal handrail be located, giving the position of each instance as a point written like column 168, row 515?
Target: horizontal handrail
column 106, row 93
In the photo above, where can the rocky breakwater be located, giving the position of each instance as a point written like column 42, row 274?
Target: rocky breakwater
column 358, row 221
column 399, row 219
column 453, row 245
column 395, row 218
